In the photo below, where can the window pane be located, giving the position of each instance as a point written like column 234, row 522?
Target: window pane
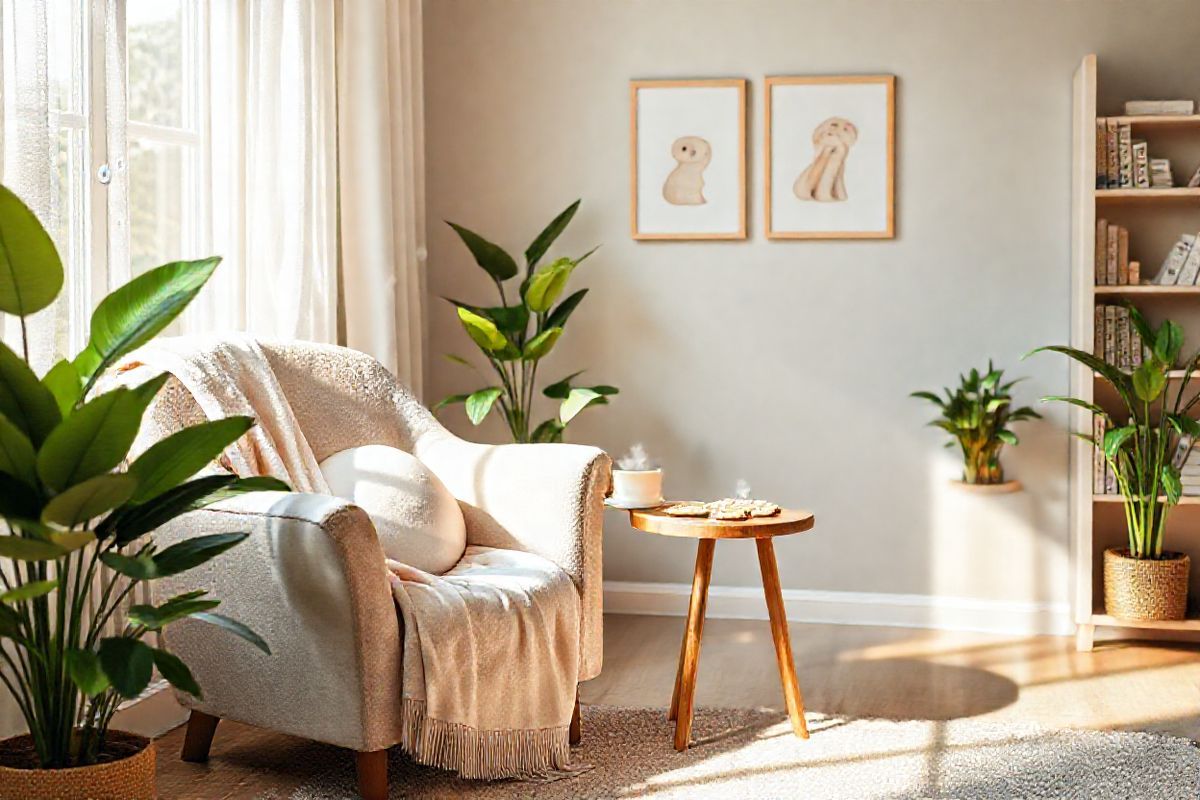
column 154, row 42
column 157, row 181
column 66, row 55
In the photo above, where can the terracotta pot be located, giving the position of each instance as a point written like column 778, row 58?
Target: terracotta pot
column 130, row 778
column 1142, row 588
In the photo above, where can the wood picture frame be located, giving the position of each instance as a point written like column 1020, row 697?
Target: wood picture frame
column 877, row 209
column 723, row 175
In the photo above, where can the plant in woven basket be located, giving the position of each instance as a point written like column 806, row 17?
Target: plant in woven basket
column 77, row 512
column 977, row 415
column 515, row 337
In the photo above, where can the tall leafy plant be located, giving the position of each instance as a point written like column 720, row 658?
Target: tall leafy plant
column 515, row 336
column 77, row 512
column 1147, row 442
column 977, row 415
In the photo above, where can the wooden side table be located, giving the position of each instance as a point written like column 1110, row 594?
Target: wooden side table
column 761, row 530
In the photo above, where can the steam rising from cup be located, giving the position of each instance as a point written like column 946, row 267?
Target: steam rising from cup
column 636, row 459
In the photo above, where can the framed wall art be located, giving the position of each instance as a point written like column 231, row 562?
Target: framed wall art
column 830, row 157
column 688, row 159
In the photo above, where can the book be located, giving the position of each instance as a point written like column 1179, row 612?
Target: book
column 1141, row 165
column 1191, row 267
column 1123, row 256
column 1160, row 173
column 1111, row 250
column 1101, row 268
column 1194, row 181
column 1137, row 349
column 1125, row 153
column 1098, row 333
column 1101, row 154
column 1168, row 273
column 1110, row 334
column 1135, row 273
column 1150, row 108
column 1098, row 465
column 1111, row 485
column 1114, row 161
column 1124, row 360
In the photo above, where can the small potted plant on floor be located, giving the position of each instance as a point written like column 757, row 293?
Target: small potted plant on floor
column 1145, row 445
column 80, row 525
column 977, row 416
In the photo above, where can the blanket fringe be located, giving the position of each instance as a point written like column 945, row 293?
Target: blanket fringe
column 535, row 754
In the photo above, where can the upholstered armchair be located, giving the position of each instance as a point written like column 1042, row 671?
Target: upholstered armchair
column 310, row 578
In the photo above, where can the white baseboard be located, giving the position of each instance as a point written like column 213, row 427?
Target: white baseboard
column 153, row 713
column 847, row 608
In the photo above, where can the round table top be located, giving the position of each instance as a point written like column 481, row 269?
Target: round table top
column 656, row 520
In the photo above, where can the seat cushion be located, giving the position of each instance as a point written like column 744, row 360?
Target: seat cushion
column 418, row 521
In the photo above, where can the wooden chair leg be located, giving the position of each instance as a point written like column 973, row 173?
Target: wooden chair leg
column 372, row 770
column 691, row 645
column 198, row 738
column 779, row 632
column 576, row 734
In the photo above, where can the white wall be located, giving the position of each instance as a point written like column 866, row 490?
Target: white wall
column 789, row 363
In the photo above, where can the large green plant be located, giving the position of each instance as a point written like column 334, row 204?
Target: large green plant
column 76, row 511
column 977, row 416
column 1146, row 445
column 515, row 337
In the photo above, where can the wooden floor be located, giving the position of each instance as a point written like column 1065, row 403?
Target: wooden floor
column 858, row 671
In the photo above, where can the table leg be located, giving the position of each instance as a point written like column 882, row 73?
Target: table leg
column 779, row 632
column 690, row 657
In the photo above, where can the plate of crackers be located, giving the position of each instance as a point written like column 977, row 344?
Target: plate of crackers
column 731, row 509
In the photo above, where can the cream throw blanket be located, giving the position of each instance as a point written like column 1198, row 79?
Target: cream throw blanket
column 491, row 648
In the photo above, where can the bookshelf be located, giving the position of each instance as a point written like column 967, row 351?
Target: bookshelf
column 1154, row 218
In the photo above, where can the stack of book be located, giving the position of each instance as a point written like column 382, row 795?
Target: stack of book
column 1104, row 480
column 1116, row 340
column 1113, row 267
column 1181, row 267
column 1187, row 461
column 1123, row 162
column 1155, row 108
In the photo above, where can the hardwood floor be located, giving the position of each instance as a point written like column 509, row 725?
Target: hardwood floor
column 843, row 670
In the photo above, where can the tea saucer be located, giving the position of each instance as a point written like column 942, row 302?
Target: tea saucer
column 630, row 505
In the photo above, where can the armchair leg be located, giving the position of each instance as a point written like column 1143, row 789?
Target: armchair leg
column 576, row 734
column 372, row 774
column 199, row 736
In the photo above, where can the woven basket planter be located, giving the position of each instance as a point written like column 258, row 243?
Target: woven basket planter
column 1138, row 588
column 129, row 778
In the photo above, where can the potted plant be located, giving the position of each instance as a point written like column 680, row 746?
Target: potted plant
column 515, row 337
column 1144, row 445
column 977, row 416
column 77, row 517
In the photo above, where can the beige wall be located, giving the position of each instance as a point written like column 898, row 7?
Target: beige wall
column 789, row 363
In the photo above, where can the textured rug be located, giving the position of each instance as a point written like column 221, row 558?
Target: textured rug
column 739, row 753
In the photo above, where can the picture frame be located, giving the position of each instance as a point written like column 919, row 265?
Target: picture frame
column 829, row 157
column 688, row 159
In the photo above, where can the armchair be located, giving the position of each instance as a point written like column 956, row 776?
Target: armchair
column 311, row 576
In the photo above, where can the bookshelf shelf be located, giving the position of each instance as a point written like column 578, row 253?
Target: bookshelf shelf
column 1178, row 194
column 1187, row 500
column 1189, row 624
column 1175, row 121
column 1147, row 291
column 1174, row 375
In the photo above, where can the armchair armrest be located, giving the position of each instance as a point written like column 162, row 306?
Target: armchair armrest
column 546, row 499
column 310, row 579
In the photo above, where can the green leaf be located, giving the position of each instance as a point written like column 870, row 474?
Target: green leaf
column 182, row 556
column 1008, row 437
column 21, row 548
column 1185, row 425
column 176, row 673
column 539, row 246
column 492, row 258
column 234, row 627
column 540, row 346
column 86, row 672
column 24, row 400
column 452, row 399
column 458, row 360
column 1172, row 486
column 1140, row 324
column 92, row 440
column 257, row 483
column 605, row 389
column 17, row 457
column 70, row 541
column 577, row 401
column 560, row 389
column 89, row 499
column 28, row 591
column 1114, row 376
column 136, row 312
column 559, row 316
column 156, row 618
column 1168, row 343
column 128, row 664
column 996, row 404
column 549, row 431
column 31, row 273
column 480, row 403
column 547, row 284
column 1075, row 401
column 511, row 320
column 1149, row 380
column 1115, row 438
column 140, row 567
column 482, row 331
column 64, row 384
column 181, row 455
column 930, row 396
column 18, row 500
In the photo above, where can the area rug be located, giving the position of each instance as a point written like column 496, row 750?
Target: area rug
column 741, row 753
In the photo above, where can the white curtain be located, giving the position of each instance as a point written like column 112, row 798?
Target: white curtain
column 381, row 181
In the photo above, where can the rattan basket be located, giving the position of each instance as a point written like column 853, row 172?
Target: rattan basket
column 127, row 779
column 1139, row 588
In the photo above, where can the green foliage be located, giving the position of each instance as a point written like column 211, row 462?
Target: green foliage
column 515, row 337
column 1148, row 440
column 977, row 415
column 75, row 517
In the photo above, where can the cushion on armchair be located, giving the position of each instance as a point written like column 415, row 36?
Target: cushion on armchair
column 418, row 521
